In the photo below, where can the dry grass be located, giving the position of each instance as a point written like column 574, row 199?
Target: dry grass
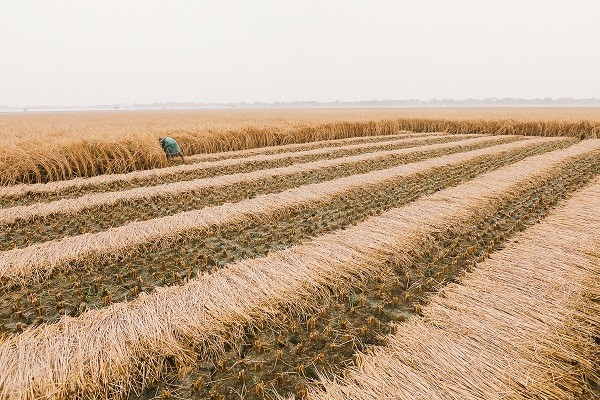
column 109, row 351
column 48, row 147
column 521, row 326
column 72, row 206
column 247, row 156
column 37, row 261
column 41, row 147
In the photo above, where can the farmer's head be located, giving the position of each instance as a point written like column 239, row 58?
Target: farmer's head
column 161, row 140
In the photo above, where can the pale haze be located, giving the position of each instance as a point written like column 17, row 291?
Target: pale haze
column 104, row 52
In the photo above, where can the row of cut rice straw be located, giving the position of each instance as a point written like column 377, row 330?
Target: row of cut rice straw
column 37, row 261
column 257, row 156
column 521, row 326
column 74, row 205
column 108, row 352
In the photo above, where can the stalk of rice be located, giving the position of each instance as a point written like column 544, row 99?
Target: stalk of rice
column 37, row 261
column 521, row 326
column 74, row 205
column 109, row 351
column 254, row 156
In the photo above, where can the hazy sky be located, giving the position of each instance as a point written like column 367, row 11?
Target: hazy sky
column 102, row 52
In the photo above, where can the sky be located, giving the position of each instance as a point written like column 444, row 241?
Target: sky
column 79, row 53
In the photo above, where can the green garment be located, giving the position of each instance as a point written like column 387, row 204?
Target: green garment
column 170, row 146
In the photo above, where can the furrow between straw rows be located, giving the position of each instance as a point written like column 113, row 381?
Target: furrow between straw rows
column 37, row 261
column 38, row 192
column 97, row 218
column 522, row 324
column 96, row 282
column 282, row 359
column 9, row 215
column 106, row 352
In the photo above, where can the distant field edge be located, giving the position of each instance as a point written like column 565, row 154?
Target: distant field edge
column 36, row 161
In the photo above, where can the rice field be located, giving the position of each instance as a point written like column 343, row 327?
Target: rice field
column 42, row 147
column 398, row 264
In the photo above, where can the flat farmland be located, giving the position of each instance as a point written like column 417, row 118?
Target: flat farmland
column 52, row 146
column 371, row 264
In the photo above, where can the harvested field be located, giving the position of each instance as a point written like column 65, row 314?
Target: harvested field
column 26, row 194
column 130, row 190
column 108, row 280
column 269, row 272
column 531, row 311
column 41, row 259
column 106, row 210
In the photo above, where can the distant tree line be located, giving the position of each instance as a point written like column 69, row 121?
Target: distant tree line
column 409, row 103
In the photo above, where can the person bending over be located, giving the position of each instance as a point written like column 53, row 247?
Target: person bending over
column 171, row 148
